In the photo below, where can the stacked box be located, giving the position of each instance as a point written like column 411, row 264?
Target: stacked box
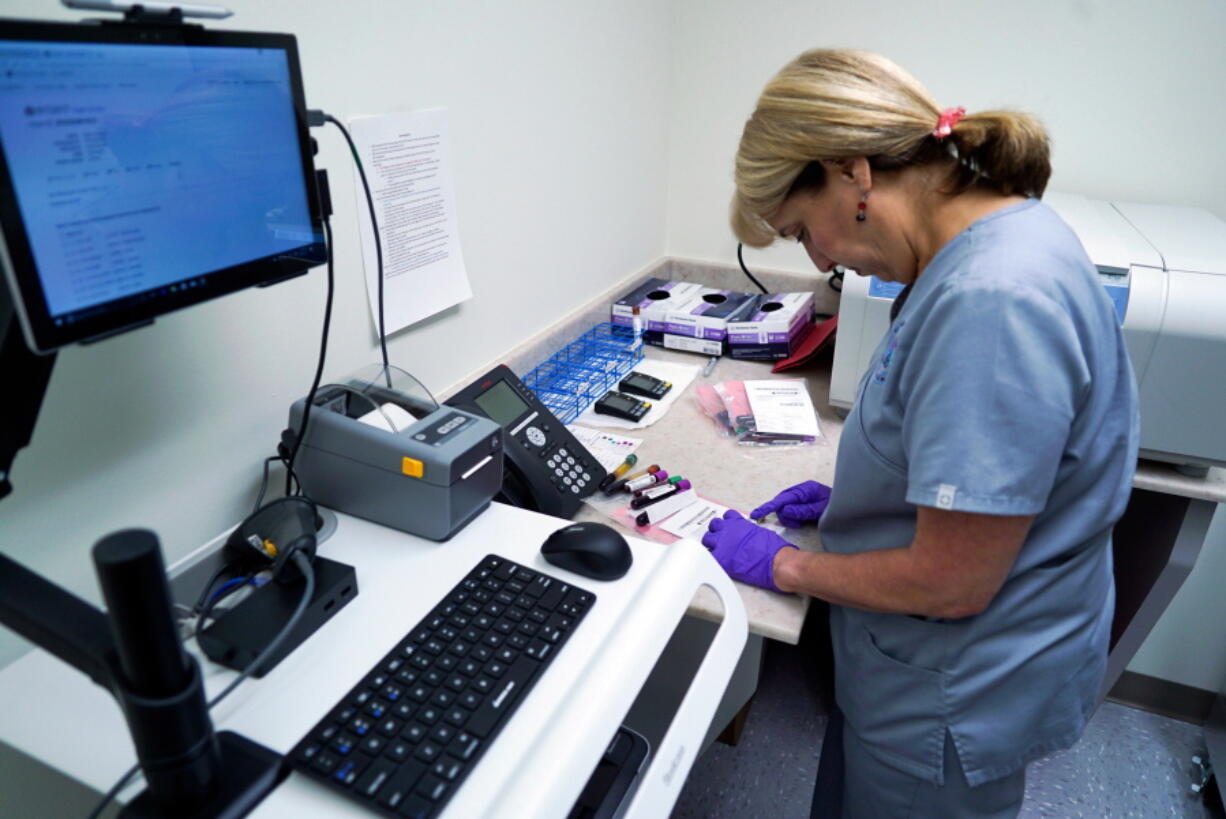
column 773, row 328
column 654, row 298
column 682, row 315
column 700, row 325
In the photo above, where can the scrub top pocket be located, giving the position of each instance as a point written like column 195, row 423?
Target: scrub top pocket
column 897, row 709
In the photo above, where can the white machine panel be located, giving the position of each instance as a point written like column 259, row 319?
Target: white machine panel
column 863, row 320
column 1184, row 388
column 1189, row 239
column 1113, row 244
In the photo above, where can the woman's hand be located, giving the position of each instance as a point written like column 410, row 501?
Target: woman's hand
column 745, row 550
column 801, row 504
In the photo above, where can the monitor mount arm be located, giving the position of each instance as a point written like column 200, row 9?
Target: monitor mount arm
column 29, row 374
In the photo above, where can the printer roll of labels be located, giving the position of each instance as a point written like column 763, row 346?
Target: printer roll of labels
column 390, row 417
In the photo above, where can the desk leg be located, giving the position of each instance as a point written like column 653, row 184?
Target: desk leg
column 1155, row 545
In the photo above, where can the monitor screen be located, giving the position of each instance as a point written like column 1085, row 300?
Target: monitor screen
column 147, row 169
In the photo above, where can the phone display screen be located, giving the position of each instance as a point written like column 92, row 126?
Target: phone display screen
column 501, row 403
column 621, row 403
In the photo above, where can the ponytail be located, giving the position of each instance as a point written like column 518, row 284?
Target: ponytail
column 1004, row 151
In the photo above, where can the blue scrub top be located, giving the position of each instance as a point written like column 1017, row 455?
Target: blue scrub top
column 1003, row 386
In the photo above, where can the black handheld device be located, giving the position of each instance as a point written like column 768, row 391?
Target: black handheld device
column 620, row 405
column 545, row 468
column 638, row 383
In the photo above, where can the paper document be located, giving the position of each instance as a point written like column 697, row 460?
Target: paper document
column 405, row 157
column 608, row 450
column 691, row 522
column 782, row 407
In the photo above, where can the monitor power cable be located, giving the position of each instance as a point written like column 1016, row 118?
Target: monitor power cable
column 315, row 118
column 294, row 446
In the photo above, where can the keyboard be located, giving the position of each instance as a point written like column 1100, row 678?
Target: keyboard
column 404, row 738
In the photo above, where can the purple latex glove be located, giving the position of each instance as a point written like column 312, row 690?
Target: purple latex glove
column 745, row 550
column 801, row 504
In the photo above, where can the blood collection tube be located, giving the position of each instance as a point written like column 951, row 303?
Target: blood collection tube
column 660, row 493
column 644, row 481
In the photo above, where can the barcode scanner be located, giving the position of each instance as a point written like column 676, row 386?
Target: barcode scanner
column 271, row 535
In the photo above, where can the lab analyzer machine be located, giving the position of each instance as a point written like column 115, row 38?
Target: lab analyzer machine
column 1164, row 269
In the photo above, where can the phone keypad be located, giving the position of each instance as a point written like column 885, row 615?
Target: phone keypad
column 567, row 471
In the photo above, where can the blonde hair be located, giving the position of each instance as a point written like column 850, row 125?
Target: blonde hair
column 839, row 103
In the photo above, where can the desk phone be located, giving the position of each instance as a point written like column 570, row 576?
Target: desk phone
column 545, row 468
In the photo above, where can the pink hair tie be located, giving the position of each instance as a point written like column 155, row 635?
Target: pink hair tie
column 949, row 118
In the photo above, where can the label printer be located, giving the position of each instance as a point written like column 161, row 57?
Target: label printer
column 378, row 446
column 1164, row 268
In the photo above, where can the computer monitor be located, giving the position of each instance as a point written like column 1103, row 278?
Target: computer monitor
column 146, row 168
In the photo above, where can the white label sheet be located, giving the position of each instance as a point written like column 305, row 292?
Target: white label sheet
column 405, row 156
column 782, row 407
column 691, row 522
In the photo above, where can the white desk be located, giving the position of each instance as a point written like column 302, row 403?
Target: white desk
column 539, row 763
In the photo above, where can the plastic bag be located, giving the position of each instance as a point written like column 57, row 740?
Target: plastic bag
column 713, row 407
column 743, row 424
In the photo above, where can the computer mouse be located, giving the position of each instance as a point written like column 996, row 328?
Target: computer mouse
column 590, row 549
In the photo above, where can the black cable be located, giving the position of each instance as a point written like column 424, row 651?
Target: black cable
column 207, row 611
column 112, row 793
column 740, row 258
column 308, row 572
column 259, row 499
column 374, row 226
column 837, row 276
column 319, row 368
column 207, row 591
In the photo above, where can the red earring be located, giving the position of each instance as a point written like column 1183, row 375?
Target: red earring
column 861, row 207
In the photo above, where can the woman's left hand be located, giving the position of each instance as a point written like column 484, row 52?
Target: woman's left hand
column 745, row 550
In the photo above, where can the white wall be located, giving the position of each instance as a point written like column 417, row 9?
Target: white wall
column 1131, row 92
column 558, row 119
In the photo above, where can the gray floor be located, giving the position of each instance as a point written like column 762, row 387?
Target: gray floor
column 1128, row 763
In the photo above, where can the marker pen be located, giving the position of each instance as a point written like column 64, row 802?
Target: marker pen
column 668, row 506
column 665, row 492
column 630, row 461
column 618, row 484
column 644, row 481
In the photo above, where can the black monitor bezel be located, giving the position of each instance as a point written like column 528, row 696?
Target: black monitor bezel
column 40, row 329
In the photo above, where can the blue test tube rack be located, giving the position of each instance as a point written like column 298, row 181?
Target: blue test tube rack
column 572, row 379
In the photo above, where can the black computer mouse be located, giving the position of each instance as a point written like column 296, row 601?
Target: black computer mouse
column 590, row 549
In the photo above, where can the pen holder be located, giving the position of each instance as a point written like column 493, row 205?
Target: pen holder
column 573, row 378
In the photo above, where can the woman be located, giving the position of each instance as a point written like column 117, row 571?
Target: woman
column 991, row 447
